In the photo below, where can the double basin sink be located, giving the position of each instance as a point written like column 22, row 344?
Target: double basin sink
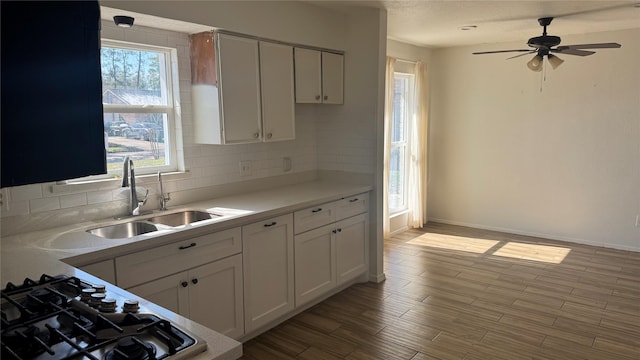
column 147, row 225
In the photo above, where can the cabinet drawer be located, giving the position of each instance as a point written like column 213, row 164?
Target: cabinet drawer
column 352, row 205
column 143, row 266
column 314, row 217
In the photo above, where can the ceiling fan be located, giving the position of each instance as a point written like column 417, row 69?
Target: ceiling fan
column 544, row 46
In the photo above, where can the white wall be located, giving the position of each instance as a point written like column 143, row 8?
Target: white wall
column 408, row 52
column 559, row 158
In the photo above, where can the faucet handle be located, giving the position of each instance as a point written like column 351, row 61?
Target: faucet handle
column 146, row 196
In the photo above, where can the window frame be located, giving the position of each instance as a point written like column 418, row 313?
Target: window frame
column 170, row 83
column 404, row 142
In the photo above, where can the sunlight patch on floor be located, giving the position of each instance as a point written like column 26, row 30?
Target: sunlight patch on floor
column 544, row 253
column 450, row 242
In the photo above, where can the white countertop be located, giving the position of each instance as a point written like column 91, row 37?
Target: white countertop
column 31, row 254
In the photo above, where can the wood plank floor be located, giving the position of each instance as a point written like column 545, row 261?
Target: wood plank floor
column 459, row 293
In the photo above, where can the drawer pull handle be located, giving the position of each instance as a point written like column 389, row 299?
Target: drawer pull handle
column 353, row 200
column 184, row 284
column 194, row 281
column 270, row 225
column 316, row 210
column 183, row 247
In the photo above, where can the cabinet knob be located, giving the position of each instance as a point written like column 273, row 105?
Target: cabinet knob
column 339, row 230
column 317, row 97
column 326, row 97
column 269, row 135
column 184, row 284
column 334, row 231
column 256, row 135
column 194, row 281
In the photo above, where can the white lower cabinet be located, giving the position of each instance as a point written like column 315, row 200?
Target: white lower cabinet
column 240, row 280
column 315, row 263
column 169, row 292
column 267, row 270
column 333, row 252
column 210, row 294
column 199, row 278
column 351, row 247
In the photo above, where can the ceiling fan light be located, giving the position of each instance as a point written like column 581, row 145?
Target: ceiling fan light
column 555, row 61
column 535, row 64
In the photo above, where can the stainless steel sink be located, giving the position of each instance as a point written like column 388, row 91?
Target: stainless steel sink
column 124, row 230
column 182, row 218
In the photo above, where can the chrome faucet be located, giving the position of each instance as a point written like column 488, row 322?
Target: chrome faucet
column 163, row 199
column 129, row 180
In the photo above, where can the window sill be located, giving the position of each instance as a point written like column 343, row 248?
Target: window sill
column 113, row 183
column 398, row 213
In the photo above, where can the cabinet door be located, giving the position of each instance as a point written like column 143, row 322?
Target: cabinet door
column 308, row 77
column 332, row 78
column 267, row 270
column 215, row 296
column 276, row 75
column 315, row 263
column 170, row 292
column 351, row 247
column 239, row 83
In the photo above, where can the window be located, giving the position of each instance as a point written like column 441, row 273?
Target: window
column 403, row 99
column 137, row 95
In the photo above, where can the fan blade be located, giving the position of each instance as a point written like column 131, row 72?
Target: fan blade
column 527, row 53
column 592, row 46
column 573, row 51
column 499, row 51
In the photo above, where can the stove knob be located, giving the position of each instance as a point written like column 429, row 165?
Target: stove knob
column 99, row 288
column 184, row 284
column 130, row 306
column 85, row 296
column 96, row 299
column 108, row 305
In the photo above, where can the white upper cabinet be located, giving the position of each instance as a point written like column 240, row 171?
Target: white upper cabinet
column 308, row 76
column 242, row 89
column 332, row 78
column 319, row 76
column 276, row 75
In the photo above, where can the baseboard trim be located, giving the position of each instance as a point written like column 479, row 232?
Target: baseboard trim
column 536, row 234
column 377, row 278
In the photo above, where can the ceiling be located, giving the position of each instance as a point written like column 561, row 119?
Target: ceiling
column 434, row 24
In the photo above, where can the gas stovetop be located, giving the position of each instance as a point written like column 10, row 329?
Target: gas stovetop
column 66, row 318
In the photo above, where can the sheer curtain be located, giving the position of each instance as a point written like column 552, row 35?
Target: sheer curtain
column 388, row 118
column 417, row 182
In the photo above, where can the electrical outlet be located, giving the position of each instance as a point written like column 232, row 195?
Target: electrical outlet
column 286, row 164
column 245, row 168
